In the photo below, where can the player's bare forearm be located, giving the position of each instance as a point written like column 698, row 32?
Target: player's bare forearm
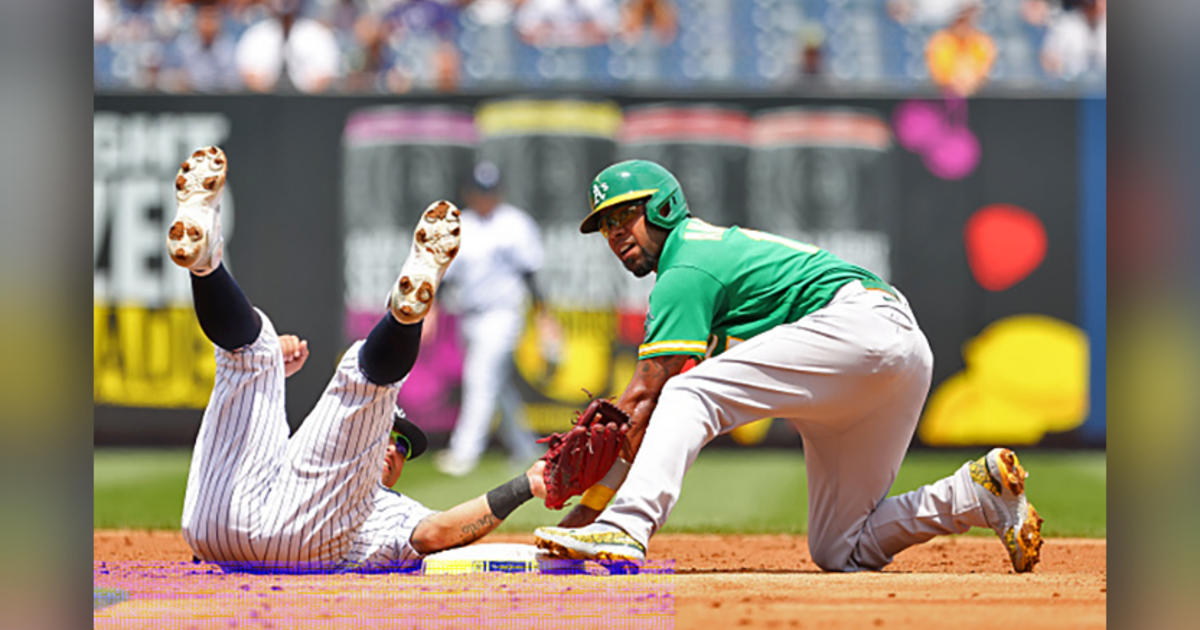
column 641, row 395
column 471, row 520
column 461, row 524
column 639, row 401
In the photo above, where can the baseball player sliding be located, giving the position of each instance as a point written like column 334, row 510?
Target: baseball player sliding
column 320, row 499
column 790, row 331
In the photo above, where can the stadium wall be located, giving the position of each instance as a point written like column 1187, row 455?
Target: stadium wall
column 977, row 211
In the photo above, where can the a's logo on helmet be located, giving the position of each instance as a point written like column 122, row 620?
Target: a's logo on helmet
column 599, row 193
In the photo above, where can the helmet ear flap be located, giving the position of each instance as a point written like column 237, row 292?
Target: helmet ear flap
column 670, row 211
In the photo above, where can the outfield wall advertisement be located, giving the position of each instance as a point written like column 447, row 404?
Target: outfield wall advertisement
column 149, row 351
column 974, row 215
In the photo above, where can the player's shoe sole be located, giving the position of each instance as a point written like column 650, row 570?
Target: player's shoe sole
column 594, row 542
column 194, row 239
column 1002, row 476
column 435, row 244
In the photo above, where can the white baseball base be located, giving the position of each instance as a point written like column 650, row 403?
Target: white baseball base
column 492, row 558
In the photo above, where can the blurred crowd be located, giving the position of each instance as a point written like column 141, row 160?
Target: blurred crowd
column 961, row 54
column 394, row 46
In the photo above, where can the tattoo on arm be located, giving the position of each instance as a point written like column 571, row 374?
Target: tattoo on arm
column 477, row 528
column 659, row 369
column 641, row 396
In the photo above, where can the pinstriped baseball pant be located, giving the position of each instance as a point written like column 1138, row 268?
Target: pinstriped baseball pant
column 851, row 378
column 488, row 382
column 253, row 494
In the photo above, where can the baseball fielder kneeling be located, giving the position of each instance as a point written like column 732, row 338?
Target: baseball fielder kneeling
column 787, row 330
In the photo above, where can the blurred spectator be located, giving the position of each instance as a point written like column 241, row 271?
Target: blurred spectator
column 131, row 38
column 370, row 63
column 341, row 15
column 104, row 15
column 567, row 23
column 246, row 13
column 960, row 55
column 203, row 58
column 1036, row 12
column 812, row 50
column 424, row 31
column 492, row 12
column 288, row 49
column 659, row 15
column 1075, row 44
column 926, row 12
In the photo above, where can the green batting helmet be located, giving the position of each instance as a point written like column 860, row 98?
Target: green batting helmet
column 632, row 180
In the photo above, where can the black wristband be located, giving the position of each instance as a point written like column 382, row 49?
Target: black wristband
column 505, row 498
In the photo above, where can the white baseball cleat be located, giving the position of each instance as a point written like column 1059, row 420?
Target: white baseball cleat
column 1000, row 486
column 194, row 239
column 597, row 541
column 435, row 243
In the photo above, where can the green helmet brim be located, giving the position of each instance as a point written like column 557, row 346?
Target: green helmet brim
column 592, row 220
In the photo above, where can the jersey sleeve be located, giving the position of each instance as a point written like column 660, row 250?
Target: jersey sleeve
column 527, row 254
column 385, row 539
column 682, row 305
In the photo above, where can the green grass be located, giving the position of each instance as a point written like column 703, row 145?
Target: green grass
column 139, row 488
column 750, row 491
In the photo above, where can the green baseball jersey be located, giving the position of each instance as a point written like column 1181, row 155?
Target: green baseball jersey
column 717, row 286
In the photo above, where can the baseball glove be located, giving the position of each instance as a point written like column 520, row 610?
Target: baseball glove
column 579, row 458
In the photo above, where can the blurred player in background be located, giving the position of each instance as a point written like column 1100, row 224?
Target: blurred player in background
column 320, row 499
column 493, row 281
column 790, row 331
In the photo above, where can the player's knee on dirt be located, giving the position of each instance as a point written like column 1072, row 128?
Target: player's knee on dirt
column 845, row 553
column 831, row 558
column 193, row 534
column 832, row 548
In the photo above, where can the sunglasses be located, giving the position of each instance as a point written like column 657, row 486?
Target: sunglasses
column 403, row 446
column 620, row 216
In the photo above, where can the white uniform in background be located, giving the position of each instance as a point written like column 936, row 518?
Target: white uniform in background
column 487, row 278
column 312, row 501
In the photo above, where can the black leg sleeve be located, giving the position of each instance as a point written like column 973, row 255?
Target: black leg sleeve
column 390, row 351
column 225, row 314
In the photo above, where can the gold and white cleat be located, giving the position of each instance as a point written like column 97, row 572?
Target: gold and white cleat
column 1001, row 479
column 435, row 243
column 597, row 541
column 194, row 239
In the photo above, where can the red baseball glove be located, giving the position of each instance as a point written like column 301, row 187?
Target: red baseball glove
column 579, row 458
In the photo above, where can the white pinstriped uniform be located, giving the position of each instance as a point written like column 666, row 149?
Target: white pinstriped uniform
column 314, row 500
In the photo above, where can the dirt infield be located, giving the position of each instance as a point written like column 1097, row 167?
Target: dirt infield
column 146, row 580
